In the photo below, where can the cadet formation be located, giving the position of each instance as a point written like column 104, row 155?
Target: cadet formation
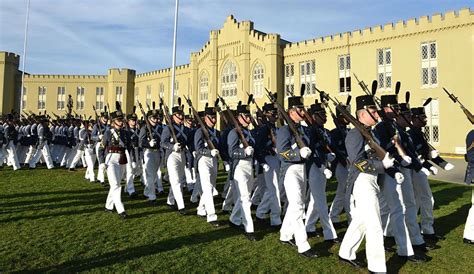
column 277, row 161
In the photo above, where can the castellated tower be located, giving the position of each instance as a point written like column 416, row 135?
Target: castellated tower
column 8, row 72
column 121, row 84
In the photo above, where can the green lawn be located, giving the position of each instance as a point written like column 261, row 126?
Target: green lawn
column 54, row 221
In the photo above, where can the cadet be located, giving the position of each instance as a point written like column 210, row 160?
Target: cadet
column 468, row 236
column 133, row 157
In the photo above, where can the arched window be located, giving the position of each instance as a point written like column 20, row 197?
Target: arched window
column 257, row 78
column 203, row 87
column 229, row 80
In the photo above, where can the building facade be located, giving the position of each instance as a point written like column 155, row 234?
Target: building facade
column 424, row 54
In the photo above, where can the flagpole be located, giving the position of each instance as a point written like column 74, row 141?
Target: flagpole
column 173, row 73
column 24, row 54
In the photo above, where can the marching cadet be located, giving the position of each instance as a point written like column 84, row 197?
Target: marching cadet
column 227, row 192
column 241, row 161
column 175, row 139
column 206, row 164
column 151, row 153
column 293, row 174
column 342, row 199
column 423, row 194
column 317, row 167
column 11, row 135
column 31, row 140
column 42, row 147
column 266, row 155
column 115, row 140
column 133, row 157
column 189, row 169
column 89, row 153
column 97, row 134
column 468, row 236
column 364, row 168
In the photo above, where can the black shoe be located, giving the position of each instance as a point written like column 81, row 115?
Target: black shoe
column 334, row 241
column 414, row 258
column 313, row 234
column 290, row 242
column 231, row 224
column 182, row 211
column 172, row 207
column 253, row 207
column 224, row 211
column 425, row 247
column 133, row 195
column 251, row 236
column 31, row 167
column 123, row 215
column 72, row 169
column 214, row 223
column 434, row 237
column 204, row 217
column 109, row 210
column 467, row 241
column 152, row 202
column 339, row 225
column 260, row 220
column 309, row 254
column 389, row 249
column 353, row 263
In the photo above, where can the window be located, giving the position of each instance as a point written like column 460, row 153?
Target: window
column 99, row 95
column 289, row 79
column 148, row 95
column 137, row 95
column 257, row 78
column 308, row 76
column 23, row 103
column 384, row 68
column 162, row 91
column 176, row 93
column 61, row 98
column 431, row 129
column 119, row 95
column 429, row 65
column 80, row 98
column 344, row 73
column 41, row 98
column 204, row 87
column 229, row 80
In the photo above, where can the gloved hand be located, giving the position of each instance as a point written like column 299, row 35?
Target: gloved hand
column 153, row 143
column 387, row 161
column 434, row 153
column 101, row 136
column 448, row 166
column 177, row 147
column 328, row 173
column 134, row 165
column 406, row 160
column 330, row 157
column 214, row 152
column 399, row 177
column 266, row 167
column 425, row 171
column 434, row 170
column 226, row 166
column 249, row 151
column 305, row 152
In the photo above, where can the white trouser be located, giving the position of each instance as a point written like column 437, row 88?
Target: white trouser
column 175, row 165
column 197, row 190
column 151, row 160
column 229, row 198
column 130, row 176
column 20, row 153
column 101, row 169
column 469, row 228
column 341, row 200
column 271, row 198
column 12, row 156
column 46, row 156
column 190, row 177
column 243, row 182
column 424, row 201
column 159, row 181
column 78, row 153
column 258, row 190
column 207, row 170
column 293, row 225
column 90, row 160
column 72, row 156
column 318, row 206
column 366, row 223
column 66, row 156
column 3, row 154
column 54, row 152
column 392, row 213
column 83, row 160
column 226, row 187
column 29, row 155
column 114, row 174
column 410, row 208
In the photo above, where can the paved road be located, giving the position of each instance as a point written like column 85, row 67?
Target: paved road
column 455, row 175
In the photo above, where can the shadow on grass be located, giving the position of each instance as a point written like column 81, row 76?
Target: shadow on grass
column 31, row 194
column 447, row 223
column 122, row 256
column 448, row 195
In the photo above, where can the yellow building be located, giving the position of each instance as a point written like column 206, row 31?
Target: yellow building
column 424, row 54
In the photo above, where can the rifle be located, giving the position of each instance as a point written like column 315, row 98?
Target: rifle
column 262, row 116
column 289, row 122
column 99, row 128
column 237, row 127
column 205, row 130
column 469, row 115
column 379, row 151
column 252, row 120
column 147, row 123
column 166, row 114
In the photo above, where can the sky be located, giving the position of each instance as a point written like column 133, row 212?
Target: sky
column 91, row 36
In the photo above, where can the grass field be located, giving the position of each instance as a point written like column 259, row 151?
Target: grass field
column 54, row 221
